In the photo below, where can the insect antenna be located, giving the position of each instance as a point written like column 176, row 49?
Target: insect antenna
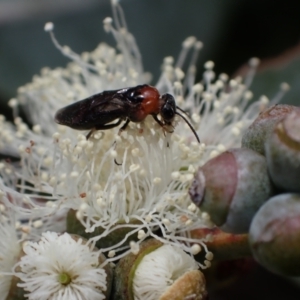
column 186, row 113
column 187, row 122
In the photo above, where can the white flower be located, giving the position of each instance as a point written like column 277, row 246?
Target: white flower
column 60, row 267
column 167, row 273
column 31, row 222
column 18, row 224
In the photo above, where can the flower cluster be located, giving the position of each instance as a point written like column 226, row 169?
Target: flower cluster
column 115, row 189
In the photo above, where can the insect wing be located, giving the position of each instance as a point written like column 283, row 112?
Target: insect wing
column 96, row 110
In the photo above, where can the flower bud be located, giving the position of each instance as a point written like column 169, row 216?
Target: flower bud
column 256, row 135
column 275, row 235
column 75, row 227
column 158, row 271
column 231, row 187
column 283, row 153
column 15, row 292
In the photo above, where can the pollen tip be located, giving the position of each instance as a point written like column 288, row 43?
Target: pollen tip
column 49, row 26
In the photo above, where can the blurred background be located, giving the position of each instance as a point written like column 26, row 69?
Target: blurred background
column 232, row 32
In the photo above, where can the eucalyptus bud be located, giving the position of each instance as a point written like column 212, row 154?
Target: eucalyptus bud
column 260, row 130
column 231, row 188
column 74, row 226
column 283, row 153
column 15, row 292
column 158, row 271
column 275, row 235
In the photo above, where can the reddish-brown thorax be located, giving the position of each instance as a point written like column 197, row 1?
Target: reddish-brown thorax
column 150, row 104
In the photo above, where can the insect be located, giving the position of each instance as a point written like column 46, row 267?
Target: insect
column 132, row 104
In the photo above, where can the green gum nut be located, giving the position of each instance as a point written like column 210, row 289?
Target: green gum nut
column 283, row 153
column 263, row 126
column 158, row 272
column 125, row 270
column 16, row 292
column 231, row 188
column 274, row 235
column 75, row 227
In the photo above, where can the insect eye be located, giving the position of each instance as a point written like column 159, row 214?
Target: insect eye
column 167, row 113
column 168, row 109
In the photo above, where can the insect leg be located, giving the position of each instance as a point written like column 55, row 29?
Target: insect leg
column 124, row 126
column 115, row 144
column 90, row 133
column 108, row 126
column 103, row 127
column 162, row 124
